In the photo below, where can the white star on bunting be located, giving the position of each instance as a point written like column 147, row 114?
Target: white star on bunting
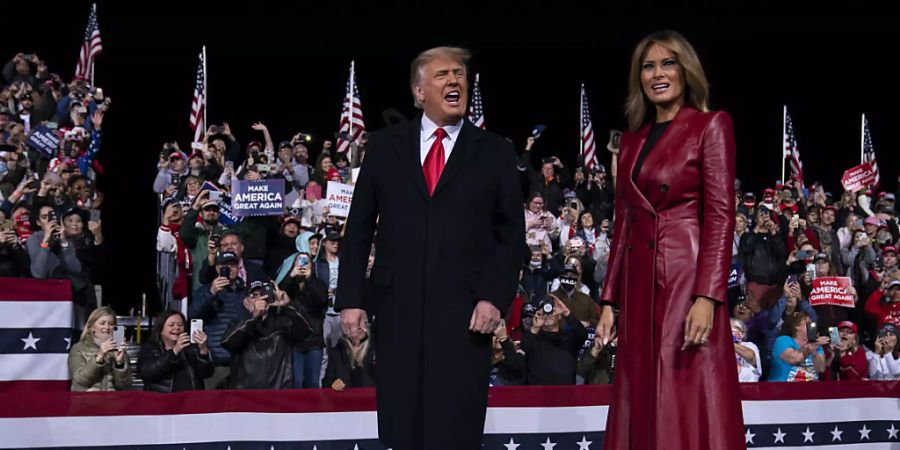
column 584, row 444
column 748, row 437
column 512, row 445
column 68, row 343
column 864, row 432
column 548, row 445
column 30, row 341
column 836, row 434
column 779, row 436
column 892, row 433
column 808, row 435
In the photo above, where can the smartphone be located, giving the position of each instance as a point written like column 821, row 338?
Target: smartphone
column 804, row 254
column 215, row 196
column 119, row 334
column 812, row 334
column 196, row 325
column 302, row 261
column 792, row 278
column 835, row 335
column 811, row 271
column 225, row 272
column 95, row 215
column 229, row 165
column 263, row 169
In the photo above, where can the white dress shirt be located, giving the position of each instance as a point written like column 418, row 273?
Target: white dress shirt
column 427, row 137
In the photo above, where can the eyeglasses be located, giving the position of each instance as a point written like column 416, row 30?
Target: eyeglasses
column 257, row 294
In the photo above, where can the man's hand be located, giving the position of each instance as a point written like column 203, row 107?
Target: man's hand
column 485, row 317
column 529, row 143
column 354, row 321
column 219, row 284
column 338, row 385
column 258, row 126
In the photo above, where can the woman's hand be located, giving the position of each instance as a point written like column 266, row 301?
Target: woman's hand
column 106, row 347
column 120, row 354
column 200, row 338
column 699, row 321
column 183, row 341
column 338, row 385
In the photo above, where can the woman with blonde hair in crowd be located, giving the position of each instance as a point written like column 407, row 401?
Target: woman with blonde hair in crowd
column 97, row 362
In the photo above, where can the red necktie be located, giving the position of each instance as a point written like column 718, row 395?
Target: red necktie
column 434, row 161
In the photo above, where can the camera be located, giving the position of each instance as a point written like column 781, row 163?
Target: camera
column 547, row 160
column 215, row 196
column 216, row 129
column 263, row 169
column 176, row 179
column 225, row 272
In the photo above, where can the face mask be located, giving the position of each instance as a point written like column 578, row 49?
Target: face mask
column 568, row 282
column 195, row 172
column 534, row 264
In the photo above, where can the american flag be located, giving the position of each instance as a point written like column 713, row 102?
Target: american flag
column 869, row 150
column 351, row 114
column 588, row 153
column 198, row 106
column 476, row 111
column 35, row 335
column 90, row 48
column 790, row 148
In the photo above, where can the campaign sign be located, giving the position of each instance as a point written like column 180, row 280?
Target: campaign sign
column 339, row 198
column 44, row 140
column 257, row 198
column 831, row 291
column 858, row 177
column 226, row 215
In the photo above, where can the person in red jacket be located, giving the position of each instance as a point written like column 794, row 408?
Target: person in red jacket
column 850, row 355
column 884, row 304
column 676, row 381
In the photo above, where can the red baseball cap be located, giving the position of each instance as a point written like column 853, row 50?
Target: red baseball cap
column 889, row 249
column 850, row 325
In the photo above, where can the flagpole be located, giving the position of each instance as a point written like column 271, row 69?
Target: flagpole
column 205, row 92
column 350, row 99
column 94, row 11
column 862, row 139
column 581, row 126
column 783, row 132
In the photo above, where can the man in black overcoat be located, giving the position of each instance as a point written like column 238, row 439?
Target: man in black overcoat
column 443, row 197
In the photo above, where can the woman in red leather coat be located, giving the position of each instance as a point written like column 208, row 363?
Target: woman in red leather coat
column 676, row 379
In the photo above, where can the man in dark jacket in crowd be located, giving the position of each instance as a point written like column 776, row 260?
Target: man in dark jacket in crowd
column 220, row 303
column 549, row 181
column 261, row 345
column 551, row 351
column 763, row 253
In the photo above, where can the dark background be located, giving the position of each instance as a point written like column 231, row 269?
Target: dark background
column 287, row 67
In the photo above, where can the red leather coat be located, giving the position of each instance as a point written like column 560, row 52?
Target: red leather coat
column 672, row 243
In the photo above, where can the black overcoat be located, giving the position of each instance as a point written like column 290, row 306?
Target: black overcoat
column 436, row 256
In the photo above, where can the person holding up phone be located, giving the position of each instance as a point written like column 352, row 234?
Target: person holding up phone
column 308, row 294
column 261, row 346
column 849, row 356
column 96, row 362
column 884, row 362
column 540, row 224
column 790, row 303
column 763, row 252
column 169, row 361
column 798, row 355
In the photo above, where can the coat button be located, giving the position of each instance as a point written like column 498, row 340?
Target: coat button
column 628, row 247
column 664, row 187
column 650, row 245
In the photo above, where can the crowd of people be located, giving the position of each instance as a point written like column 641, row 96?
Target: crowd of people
column 264, row 286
